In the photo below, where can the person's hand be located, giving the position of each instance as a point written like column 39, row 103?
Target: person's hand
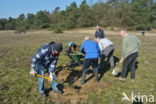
column 51, row 76
column 121, row 60
column 32, row 72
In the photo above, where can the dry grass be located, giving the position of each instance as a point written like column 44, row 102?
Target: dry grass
column 16, row 85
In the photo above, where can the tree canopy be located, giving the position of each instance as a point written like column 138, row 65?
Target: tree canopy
column 132, row 14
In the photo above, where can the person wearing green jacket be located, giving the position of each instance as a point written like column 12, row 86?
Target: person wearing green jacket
column 130, row 49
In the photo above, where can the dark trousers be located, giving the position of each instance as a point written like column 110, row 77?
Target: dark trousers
column 129, row 63
column 90, row 62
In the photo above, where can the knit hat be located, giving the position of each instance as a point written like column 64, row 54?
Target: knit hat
column 58, row 47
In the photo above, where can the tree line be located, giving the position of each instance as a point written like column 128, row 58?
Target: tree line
column 132, row 14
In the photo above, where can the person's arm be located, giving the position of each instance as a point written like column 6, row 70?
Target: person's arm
column 96, row 34
column 102, row 32
column 82, row 49
column 99, row 46
column 124, row 49
column 34, row 60
column 52, row 68
column 74, row 47
column 53, row 65
column 121, row 60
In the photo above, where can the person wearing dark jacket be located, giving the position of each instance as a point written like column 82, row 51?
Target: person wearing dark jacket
column 46, row 57
column 99, row 34
column 92, row 51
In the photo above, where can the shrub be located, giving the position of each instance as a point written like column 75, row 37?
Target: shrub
column 58, row 30
column 131, row 28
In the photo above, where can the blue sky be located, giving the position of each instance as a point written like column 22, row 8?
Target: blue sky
column 15, row 7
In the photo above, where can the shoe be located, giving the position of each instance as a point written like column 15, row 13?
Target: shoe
column 96, row 77
column 132, row 80
column 83, row 78
column 42, row 95
column 121, row 79
column 97, row 80
column 58, row 91
column 82, row 81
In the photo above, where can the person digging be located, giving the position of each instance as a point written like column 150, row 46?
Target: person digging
column 130, row 49
column 46, row 58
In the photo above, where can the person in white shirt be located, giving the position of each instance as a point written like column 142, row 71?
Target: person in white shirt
column 107, row 49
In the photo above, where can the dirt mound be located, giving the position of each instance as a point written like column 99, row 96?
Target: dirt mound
column 74, row 92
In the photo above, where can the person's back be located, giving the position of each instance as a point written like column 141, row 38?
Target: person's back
column 130, row 50
column 130, row 45
column 71, row 47
column 103, row 43
column 91, row 49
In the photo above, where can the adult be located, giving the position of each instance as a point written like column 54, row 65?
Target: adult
column 99, row 34
column 130, row 48
column 143, row 31
column 46, row 57
column 107, row 49
column 71, row 47
column 91, row 50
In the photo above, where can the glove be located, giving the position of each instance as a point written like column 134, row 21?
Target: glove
column 32, row 72
column 51, row 76
column 121, row 60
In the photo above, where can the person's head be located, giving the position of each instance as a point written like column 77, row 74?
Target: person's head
column 86, row 38
column 52, row 42
column 97, row 27
column 70, row 44
column 123, row 33
column 57, row 48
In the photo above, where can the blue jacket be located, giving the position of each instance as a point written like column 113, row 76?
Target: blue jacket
column 91, row 49
column 43, row 56
column 99, row 34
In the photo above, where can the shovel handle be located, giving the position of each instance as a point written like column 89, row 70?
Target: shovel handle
column 38, row 75
column 47, row 78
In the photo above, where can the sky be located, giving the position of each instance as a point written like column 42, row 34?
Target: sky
column 13, row 8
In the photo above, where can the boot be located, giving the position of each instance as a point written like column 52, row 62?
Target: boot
column 58, row 91
column 83, row 78
column 96, row 77
column 42, row 95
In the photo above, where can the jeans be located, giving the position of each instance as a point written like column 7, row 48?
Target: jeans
column 40, row 70
column 129, row 63
column 90, row 62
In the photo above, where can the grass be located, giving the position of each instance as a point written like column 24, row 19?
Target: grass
column 18, row 87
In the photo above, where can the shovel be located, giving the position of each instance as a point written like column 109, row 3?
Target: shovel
column 116, row 70
column 47, row 78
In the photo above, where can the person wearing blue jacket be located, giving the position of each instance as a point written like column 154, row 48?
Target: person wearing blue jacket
column 92, row 51
column 46, row 57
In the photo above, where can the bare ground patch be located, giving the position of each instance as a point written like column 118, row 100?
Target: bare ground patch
column 74, row 92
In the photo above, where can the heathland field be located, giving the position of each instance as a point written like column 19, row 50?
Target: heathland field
column 18, row 87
